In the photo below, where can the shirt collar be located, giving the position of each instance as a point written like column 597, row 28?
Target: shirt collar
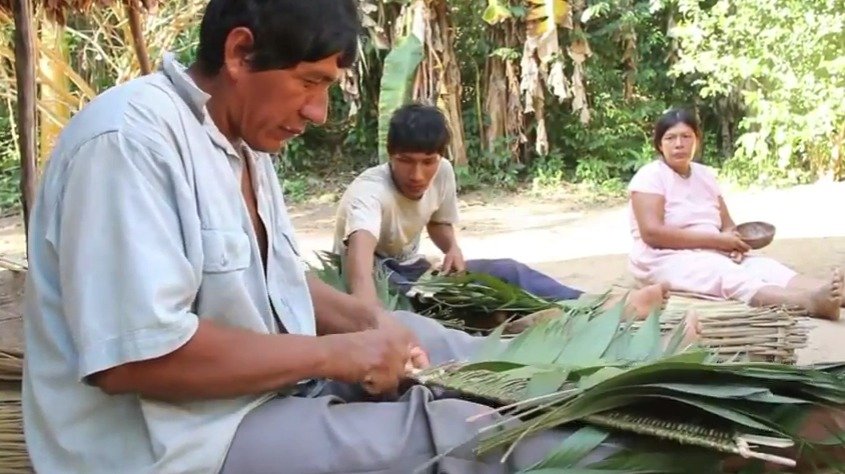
column 187, row 89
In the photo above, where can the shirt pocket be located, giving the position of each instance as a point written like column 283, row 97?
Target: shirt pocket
column 225, row 250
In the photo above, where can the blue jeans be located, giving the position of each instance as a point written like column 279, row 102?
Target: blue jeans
column 506, row 269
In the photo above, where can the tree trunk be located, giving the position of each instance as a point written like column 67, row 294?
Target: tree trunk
column 133, row 11
column 495, row 102
column 25, row 76
column 450, row 85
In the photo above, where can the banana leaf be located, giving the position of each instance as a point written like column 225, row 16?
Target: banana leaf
column 400, row 66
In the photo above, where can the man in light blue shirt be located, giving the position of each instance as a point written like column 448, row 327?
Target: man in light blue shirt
column 168, row 316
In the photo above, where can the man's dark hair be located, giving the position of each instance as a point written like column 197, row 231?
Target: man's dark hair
column 417, row 128
column 286, row 32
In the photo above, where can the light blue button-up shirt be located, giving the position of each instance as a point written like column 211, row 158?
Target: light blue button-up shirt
column 138, row 231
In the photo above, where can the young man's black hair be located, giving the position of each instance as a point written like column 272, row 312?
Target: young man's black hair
column 418, row 128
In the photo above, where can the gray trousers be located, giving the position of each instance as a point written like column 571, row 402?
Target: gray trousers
column 339, row 430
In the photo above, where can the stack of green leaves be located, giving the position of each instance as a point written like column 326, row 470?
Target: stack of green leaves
column 448, row 298
column 591, row 369
column 458, row 297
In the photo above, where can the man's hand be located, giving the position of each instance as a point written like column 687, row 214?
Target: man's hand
column 418, row 358
column 375, row 358
column 379, row 359
column 443, row 236
column 453, row 261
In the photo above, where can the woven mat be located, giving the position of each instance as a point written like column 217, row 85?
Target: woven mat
column 13, row 455
column 11, row 366
column 11, row 297
column 732, row 328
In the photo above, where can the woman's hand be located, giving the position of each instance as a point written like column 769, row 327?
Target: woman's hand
column 736, row 256
column 730, row 241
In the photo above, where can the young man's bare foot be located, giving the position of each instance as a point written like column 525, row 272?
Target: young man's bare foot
column 641, row 303
column 825, row 302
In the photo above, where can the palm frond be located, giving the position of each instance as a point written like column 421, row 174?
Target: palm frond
column 641, row 457
column 332, row 272
column 592, row 368
column 469, row 300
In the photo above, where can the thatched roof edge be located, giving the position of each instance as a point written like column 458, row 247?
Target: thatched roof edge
column 59, row 10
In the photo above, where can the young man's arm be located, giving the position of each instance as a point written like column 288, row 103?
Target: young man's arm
column 359, row 264
column 441, row 228
column 337, row 312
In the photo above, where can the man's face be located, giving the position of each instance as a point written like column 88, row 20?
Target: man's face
column 271, row 107
column 413, row 172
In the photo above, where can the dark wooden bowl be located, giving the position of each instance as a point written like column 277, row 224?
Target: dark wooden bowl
column 756, row 234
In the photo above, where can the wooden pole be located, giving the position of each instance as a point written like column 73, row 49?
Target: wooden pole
column 133, row 11
column 25, row 76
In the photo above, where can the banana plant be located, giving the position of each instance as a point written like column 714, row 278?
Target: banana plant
column 400, row 67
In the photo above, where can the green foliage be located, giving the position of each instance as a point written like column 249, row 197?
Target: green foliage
column 604, row 153
column 476, row 292
column 495, row 166
column 767, row 77
column 332, row 272
column 9, row 162
column 468, row 300
column 783, row 61
column 617, row 141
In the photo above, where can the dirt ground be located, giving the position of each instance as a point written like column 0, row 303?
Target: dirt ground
column 582, row 245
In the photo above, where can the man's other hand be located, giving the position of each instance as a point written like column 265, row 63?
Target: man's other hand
column 453, row 261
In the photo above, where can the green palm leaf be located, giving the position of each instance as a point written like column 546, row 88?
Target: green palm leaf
column 590, row 367
column 332, row 271
column 573, row 449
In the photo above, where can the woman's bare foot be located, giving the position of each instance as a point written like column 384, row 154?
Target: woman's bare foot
column 644, row 301
column 826, row 300
column 692, row 330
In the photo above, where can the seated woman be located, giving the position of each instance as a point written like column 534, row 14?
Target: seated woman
column 684, row 236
